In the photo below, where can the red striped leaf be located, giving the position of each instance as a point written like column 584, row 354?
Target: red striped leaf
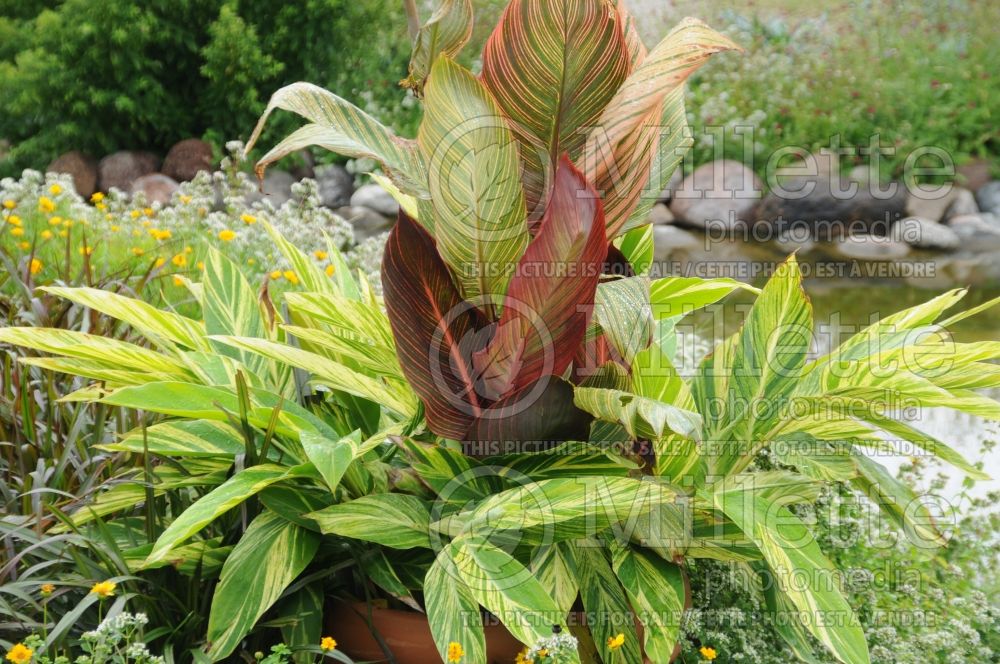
column 436, row 331
column 553, row 65
column 550, row 298
column 542, row 413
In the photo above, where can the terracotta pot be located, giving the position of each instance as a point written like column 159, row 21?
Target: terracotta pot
column 406, row 633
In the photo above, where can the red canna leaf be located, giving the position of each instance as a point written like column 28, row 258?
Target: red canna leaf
column 551, row 296
column 436, row 331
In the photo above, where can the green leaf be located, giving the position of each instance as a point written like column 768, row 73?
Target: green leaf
column 305, row 608
column 637, row 246
column 341, row 127
column 330, row 457
column 445, row 33
column 271, row 553
column 679, row 296
column 607, row 607
column 643, row 418
column 214, row 504
column 899, row 502
column 452, row 609
column 185, row 438
column 553, row 566
column 622, row 312
column 656, row 592
column 396, row 520
column 308, row 271
column 472, row 163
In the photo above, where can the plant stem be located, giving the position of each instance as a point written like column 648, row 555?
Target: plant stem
column 412, row 18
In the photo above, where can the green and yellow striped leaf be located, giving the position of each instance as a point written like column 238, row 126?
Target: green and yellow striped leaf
column 331, row 457
column 637, row 247
column 641, row 130
column 553, row 66
column 453, row 611
column 445, row 33
column 623, row 314
column 643, row 418
column 656, row 592
column 608, row 611
column 341, row 127
column 267, row 558
column 396, row 520
column 184, row 438
column 679, row 296
column 476, row 198
column 553, row 566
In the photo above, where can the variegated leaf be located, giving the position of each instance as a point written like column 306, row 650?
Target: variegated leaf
column 608, row 611
column 553, row 66
column 396, row 520
column 657, row 593
column 453, row 612
column 553, row 567
column 341, row 127
column 445, row 33
column 183, row 438
column 472, row 164
column 678, row 296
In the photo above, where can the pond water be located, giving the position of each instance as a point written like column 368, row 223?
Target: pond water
column 850, row 304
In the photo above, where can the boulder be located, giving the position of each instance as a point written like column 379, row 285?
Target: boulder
column 669, row 238
column 979, row 232
column 121, row 169
column 964, row 202
column 676, row 178
column 871, row 248
column 366, row 222
column 374, row 197
column 926, row 234
column 930, row 204
column 660, row 214
column 811, row 202
column 988, row 197
column 276, row 188
column 335, row 185
column 157, row 188
column 187, row 158
column 82, row 168
column 718, row 195
column 974, row 174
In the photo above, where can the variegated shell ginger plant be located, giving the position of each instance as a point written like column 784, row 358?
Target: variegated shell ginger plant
column 511, row 274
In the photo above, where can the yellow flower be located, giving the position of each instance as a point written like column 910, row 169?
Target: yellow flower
column 97, row 197
column 617, row 641
column 138, row 251
column 543, row 653
column 149, row 212
column 64, row 233
column 25, row 246
column 188, row 249
column 250, row 261
column 47, row 589
column 320, row 255
column 10, row 204
column 135, row 214
column 85, row 250
column 104, row 589
column 455, row 652
column 248, row 219
column 201, row 265
column 46, row 234
column 185, row 199
column 114, row 229
column 708, row 653
column 55, row 221
column 14, row 220
column 160, row 261
column 328, row 643
column 17, row 231
column 227, row 235
column 20, row 654
column 160, row 235
column 180, row 260
column 276, row 275
column 68, row 223
column 101, row 206
column 178, row 281
column 291, row 276
column 55, row 189
column 522, row 658
column 36, row 266
column 46, row 204
column 330, row 269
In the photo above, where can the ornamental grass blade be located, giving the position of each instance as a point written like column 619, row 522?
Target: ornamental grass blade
column 434, row 328
column 551, row 297
column 445, row 33
column 624, row 149
column 476, row 198
column 553, row 65
column 342, row 127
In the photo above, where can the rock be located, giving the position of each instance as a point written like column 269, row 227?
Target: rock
column 974, row 174
column 979, row 231
column 277, row 187
column 964, row 202
column 930, row 204
column 676, row 178
column 871, row 247
column 811, row 202
column 121, row 169
column 925, row 234
column 335, row 185
column 186, row 158
column 366, row 222
column 660, row 214
column 720, row 195
column 82, row 168
column 375, row 198
column 158, row 188
column 670, row 238
column 988, row 197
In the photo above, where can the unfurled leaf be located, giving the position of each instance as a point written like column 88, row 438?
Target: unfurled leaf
column 271, row 553
column 645, row 116
column 541, row 413
column 549, row 301
column 395, row 520
column 434, row 328
column 623, row 314
column 342, row 127
column 331, row 457
column 679, row 296
column 445, row 33
column 553, row 65
column 657, row 593
column 643, row 418
column 608, row 611
column 553, row 567
column 184, row 438
column 453, row 612
column 478, row 206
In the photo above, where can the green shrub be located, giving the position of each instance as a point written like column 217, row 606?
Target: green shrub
column 103, row 76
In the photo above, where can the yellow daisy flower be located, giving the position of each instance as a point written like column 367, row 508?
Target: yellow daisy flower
column 248, row 219
column 97, row 197
column 46, row 204
column 20, row 654
column 17, row 231
column 276, row 275
column 227, row 235
column 47, row 589
column 320, row 255
column 104, row 589
column 55, row 189
column 455, row 652
column 180, row 260
column 14, row 220
column 617, row 641
column 291, row 276
column 36, row 266
column 330, row 269
column 46, row 234
column 10, row 204
column 328, row 643
column 708, row 653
